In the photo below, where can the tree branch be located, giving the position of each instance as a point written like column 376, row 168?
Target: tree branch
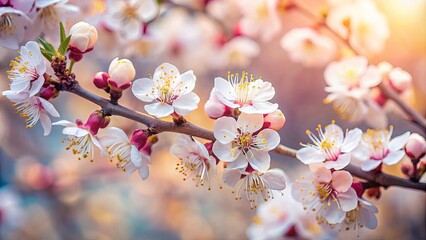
column 158, row 126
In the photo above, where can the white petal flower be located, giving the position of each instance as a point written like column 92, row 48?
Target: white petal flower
column 330, row 147
column 195, row 161
column 34, row 109
column 377, row 147
column 364, row 215
column 257, row 186
column 169, row 90
column 328, row 194
column 260, row 17
column 238, row 143
column 238, row 52
column 129, row 158
column 81, row 141
column 27, row 72
column 247, row 94
column 13, row 24
column 49, row 14
column 128, row 17
column 307, row 46
column 367, row 28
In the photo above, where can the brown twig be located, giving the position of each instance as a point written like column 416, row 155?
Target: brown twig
column 158, row 126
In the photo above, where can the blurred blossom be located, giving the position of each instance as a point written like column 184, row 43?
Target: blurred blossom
column 349, row 83
column 398, row 79
column 11, row 211
column 260, row 18
column 284, row 218
column 238, row 52
column 307, row 46
column 362, row 23
column 416, row 146
column 127, row 17
column 13, row 23
column 47, row 15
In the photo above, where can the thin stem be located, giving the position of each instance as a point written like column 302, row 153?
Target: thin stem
column 158, row 126
column 71, row 65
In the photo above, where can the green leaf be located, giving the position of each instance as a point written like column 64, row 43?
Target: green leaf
column 47, row 46
column 64, row 45
column 63, row 34
column 46, row 54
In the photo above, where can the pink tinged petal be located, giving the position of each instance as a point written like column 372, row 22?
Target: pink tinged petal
column 352, row 140
column 342, row 181
column 334, row 132
column 65, row 123
column 159, row 109
column 239, row 163
column 48, row 107
column 202, row 150
column 259, row 160
column 308, row 155
column 144, row 172
column 320, row 173
column 136, row 157
column 45, row 123
column 260, row 107
column 249, row 123
column 398, row 142
column 341, row 162
column 144, row 89
column 333, row 214
column 36, row 86
column 231, row 176
column 275, row 179
column 225, row 129
column 80, row 41
column 348, row 200
column 370, row 164
column 223, row 151
column 371, row 78
column 225, row 92
column 185, row 104
column 393, row 157
column 269, row 137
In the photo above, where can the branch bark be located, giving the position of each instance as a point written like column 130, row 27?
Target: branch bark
column 158, row 126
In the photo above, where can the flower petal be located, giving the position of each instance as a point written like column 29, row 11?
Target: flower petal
column 144, row 89
column 370, row 164
column 267, row 139
column 225, row 129
column 308, row 155
column 136, row 157
column 275, row 179
column 398, row 142
column 352, row 139
column 159, row 109
column 48, row 107
column 394, row 157
column 341, row 162
column 249, row 123
column 348, row 200
column 224, row 151
column 45, row 123
column 231, row 176
column 259, row 160
column 342, row 181
column 187, row 103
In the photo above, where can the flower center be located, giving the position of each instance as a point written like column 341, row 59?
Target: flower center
column 245, row 140
column 129, row 12
column 324, row 190
column 6, row 25
column 20, row 68
column 243, row 87
column 377, row 141
column 49, row 13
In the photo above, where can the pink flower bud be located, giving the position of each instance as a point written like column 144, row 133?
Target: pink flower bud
column 416, row 146
column 49, row 93
column 101, row 80
column 359, row 189
column 215, row 108
column 374, row 192
column 274, row 120
column 121, row 73
column 96, row 121
column 209, row 147
column 83, row 37
column 139, row 138
column 147, row 149
column 400, row 80
column 407, row 169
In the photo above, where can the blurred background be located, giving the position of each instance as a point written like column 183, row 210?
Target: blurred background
column 46, row 193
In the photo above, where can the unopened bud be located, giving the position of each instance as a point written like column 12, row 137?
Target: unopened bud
column 139, row 138
column 416, row 146
column 359, row 189
column 274, row 120
column 214, row 107
column 83, row 37
column 400, row 80
column 101, row 80
column 96, row 121
column 49, row 93
column 121, row 73
column 407, row 169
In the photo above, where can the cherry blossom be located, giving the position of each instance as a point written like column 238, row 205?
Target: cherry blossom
column 13, row 23
column 377, row 147
column 48, row 15
column 328, row 194
column 362, row 23
column 127, row 17
column 27, row 71
column 194, row 160
column 416, row 146
column 36, row 108
column 364, row 215
column 282, row 216
column 349, row 83
column 307, row 46
column 169, row 90
column 399, row 79
column 121, row 73
column 83, row 39
column 257, row 186
column 238, row 52
column 239, row 143
column 247, row 94
column 260, row 17
column 330, row 147
column 129, row 153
